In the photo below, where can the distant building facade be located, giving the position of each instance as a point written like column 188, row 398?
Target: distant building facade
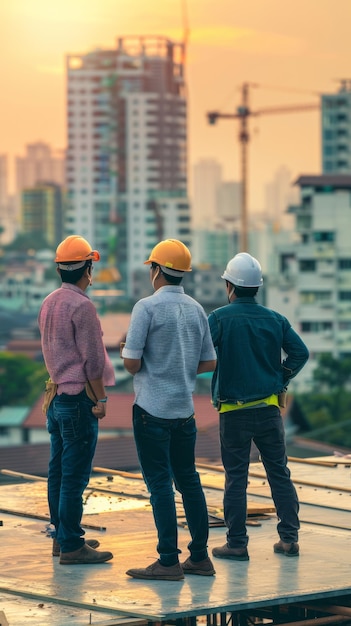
column 42, row 212
column 313, row 275
column 4, row 200
column 229, row 204
column 336, row 130
column 40, row 163
column 207, row 177
column 279, row 195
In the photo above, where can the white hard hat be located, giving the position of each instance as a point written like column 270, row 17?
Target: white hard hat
column 243, row 270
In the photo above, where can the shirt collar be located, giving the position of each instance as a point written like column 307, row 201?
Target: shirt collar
column 174, row 288
column 74, row 288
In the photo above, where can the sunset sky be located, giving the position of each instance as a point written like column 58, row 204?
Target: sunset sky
column 292, row 51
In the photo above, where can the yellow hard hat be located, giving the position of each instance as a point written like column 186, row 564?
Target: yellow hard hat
column 171, row 254
column 75, row 248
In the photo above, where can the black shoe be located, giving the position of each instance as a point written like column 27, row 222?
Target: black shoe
column 234, row 554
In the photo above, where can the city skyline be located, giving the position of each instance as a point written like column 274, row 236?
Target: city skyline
column 292, row 57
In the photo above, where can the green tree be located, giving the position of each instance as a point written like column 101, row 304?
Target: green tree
column 21, row 379
column 332, row 373
column 28, row 241
column 328, row 406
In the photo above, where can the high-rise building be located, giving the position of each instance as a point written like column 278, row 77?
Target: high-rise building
column 42, row 208
column 207, row 177
column 39, row 164
column 8, row 222
column 336, row 130
column 127, row 151
column 229, row 203
column 3, row 194
column 3, row 180
column 279, row 195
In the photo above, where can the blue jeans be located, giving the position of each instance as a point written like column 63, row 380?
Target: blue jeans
column 73, row 434
column 265, row 427
column 166, row 450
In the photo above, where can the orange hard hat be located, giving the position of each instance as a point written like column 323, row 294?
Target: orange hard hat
column 75, row 248
column 171, row 254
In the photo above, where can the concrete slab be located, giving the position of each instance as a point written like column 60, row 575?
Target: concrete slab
column 36, row 589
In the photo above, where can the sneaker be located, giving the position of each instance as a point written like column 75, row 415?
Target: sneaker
column 234, row 554
column 202, row 568
column 84, row 556
column 93, row 543
column 289, row 549
column 156, row 571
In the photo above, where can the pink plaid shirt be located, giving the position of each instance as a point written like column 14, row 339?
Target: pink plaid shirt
column 71, row 337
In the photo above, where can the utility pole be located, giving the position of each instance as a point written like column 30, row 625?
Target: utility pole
column 242, row 114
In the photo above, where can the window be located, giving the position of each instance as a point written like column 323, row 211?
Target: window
column 307, row 265
column 344, row 325
column 325, row 236
column 344, row 264
column 315, row 327
column 328, row 134
column 344, row 296
column 313, row 297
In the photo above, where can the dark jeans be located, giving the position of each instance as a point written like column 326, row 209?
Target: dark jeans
column 73, row 432
column 166, row 450
column 265, row 427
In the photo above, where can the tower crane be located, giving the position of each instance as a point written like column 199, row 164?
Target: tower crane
column 243, row 113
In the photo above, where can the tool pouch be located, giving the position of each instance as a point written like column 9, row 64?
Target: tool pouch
column 282, row 399
column 50, row 393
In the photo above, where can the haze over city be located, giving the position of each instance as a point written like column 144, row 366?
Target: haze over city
column 291, row 52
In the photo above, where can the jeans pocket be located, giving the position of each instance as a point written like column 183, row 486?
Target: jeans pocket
column 68, row 417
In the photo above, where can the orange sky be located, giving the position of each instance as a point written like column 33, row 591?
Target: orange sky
column 291, row 50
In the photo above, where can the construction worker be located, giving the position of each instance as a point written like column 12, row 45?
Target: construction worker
column 168, row 343
column 250, row 375
column 77, row 362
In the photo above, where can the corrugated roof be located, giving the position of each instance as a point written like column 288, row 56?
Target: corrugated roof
column 113, row 452
column 119, row 413
column 13, row 415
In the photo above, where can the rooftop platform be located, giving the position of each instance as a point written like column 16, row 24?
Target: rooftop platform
column 36, row 590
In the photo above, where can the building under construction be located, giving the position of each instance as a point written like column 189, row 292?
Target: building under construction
column 127, row 150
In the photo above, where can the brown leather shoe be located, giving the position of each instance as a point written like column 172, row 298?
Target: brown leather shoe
column 93, row 543
column 202, row 568
column 289, row 549
column 234, row 554
column 156, row 571
column 84, row 556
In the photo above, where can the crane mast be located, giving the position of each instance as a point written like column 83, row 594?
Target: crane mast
column 242, row 114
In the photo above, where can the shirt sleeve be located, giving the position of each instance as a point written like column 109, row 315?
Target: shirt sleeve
column 89, row 342
column 213, row 324
column 297, row 354
column 137, row 332
column 208, row 352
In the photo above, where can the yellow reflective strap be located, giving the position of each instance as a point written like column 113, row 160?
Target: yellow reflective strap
column 269, row 401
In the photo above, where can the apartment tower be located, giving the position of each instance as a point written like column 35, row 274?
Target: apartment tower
column 336, row 130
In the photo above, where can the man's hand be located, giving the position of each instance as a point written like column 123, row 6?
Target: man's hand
column 99, row 410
